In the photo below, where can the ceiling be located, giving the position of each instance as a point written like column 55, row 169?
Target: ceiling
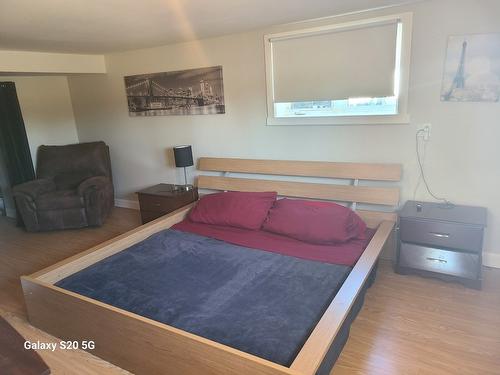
column 100, row 26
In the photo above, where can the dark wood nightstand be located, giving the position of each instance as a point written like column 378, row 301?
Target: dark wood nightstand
column 162, row 199
column 444, row 241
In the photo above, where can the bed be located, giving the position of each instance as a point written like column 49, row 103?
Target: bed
column 145, row 339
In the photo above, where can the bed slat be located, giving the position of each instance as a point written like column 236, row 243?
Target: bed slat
column 341, row 193
column 360, row 171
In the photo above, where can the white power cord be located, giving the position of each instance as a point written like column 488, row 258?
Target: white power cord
column 422, row 177
column 424, row 153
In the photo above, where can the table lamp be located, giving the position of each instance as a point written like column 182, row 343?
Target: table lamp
column 184, row 158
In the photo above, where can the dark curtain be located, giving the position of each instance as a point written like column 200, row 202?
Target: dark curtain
column 13, row 139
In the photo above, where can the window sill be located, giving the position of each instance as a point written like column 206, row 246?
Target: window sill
column 340, row 120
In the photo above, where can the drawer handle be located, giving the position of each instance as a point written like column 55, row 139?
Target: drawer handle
column 437, row 260
column 440, row 235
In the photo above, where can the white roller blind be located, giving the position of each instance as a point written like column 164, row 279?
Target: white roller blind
column 335, row 65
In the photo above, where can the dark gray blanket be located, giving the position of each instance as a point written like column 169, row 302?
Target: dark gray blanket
column 259, row 302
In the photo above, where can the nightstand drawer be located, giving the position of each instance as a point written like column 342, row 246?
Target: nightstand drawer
column 437, row 260
column 147, row 216
column 442, row 234
column 156, row 203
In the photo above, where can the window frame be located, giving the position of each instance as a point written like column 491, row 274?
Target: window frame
column 402, row 73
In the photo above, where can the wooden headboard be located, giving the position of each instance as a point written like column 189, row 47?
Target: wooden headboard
column 352, row 193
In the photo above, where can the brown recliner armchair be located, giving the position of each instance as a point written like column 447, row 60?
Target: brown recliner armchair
column 73, row 189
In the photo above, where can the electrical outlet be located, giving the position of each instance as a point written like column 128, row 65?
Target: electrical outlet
column 427, row 132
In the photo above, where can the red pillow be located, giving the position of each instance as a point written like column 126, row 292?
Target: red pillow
column 235, row 209
column 314, row 222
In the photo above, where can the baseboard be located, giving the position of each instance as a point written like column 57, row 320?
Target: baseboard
column 491, row 260
column 125, row 203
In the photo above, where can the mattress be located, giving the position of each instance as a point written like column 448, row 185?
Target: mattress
column 260, row 302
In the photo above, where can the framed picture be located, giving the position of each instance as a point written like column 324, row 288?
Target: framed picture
column 472, row 69
column 184, row 92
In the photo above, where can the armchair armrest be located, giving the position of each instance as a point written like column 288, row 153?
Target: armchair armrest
column 34, row 188
column 96, row 182
column 98, row 195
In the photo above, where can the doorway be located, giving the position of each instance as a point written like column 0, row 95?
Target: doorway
column 16, row 165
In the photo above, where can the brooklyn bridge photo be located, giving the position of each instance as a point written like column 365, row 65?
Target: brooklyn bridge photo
column 185, row 92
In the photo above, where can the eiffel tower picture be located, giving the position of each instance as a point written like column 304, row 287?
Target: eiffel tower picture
column 459, row 80
column 469, row 74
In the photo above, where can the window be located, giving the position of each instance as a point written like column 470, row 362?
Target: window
column 352, row 73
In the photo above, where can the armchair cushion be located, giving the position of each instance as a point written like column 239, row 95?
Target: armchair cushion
column 34, row 188
column 59, row 200
column 71, row 180
column 96, row 182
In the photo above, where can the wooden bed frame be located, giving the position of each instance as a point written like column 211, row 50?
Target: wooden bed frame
column 144, row 346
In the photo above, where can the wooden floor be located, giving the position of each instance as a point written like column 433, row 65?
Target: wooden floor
column 409, row 325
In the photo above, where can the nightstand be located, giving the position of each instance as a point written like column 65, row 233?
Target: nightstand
column 162, row 199
column 444, row 241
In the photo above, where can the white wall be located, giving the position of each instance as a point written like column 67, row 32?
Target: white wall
column 47, row 110
column 462, row 157
column 42, row 62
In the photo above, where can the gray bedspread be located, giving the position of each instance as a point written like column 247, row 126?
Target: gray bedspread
column 259, row 302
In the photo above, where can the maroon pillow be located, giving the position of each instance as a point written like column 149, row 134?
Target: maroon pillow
column 235, row 209
column 314, row 222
